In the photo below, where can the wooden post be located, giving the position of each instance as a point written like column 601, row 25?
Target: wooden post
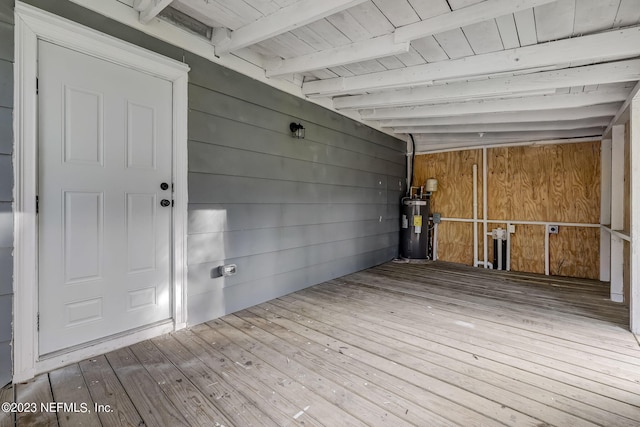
column 617, row 213
column 605, row 210
column 634, row 142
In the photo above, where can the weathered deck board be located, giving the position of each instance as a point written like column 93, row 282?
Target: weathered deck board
column 618, row 337
column 406, row 401
column 68, row 386
column 324, row 393
column 482, row 394
column 399, row 344
column 188, row 400
column 230, row 400
column 451, row 351
column 306, row 405
column 34, row 392
column 105, row 389
column 154, row 406
column 442, row 323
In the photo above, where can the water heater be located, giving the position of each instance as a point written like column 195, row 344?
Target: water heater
column 416, row 228
column 415, row 233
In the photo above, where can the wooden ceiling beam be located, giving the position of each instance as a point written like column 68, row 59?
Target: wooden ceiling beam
column 479, row 12
column 526, row 104
column 623, row 108
column 427, row 148
column 440, row 140
column 286, row 19
column 602, row 47
column 149, row 9
column 355, row 52
column 598, row 110
column 507, row 127
column 398, row 42
column 614, row 72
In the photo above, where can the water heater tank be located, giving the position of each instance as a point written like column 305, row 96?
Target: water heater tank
column 415, row 234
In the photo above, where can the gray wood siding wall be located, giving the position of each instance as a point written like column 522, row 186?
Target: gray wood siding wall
column 6, row 187
column 290, row 213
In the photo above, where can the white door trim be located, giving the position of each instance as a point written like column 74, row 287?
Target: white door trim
column 32, row 24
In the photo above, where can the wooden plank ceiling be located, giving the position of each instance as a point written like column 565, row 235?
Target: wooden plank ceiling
column 453, row 73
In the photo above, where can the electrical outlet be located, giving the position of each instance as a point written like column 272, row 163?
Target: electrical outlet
column 228, row 270
column 552, row 229
column 512, row 228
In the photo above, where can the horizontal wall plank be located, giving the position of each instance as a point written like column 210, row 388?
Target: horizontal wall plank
column 205, row 188
column 6, row 271
column 217, row 104
column 211, row 218
column 234, row 244
column 214, row 159
column 6, row 11
column 221, row 131
column 6, row 130
column 204, row 277
column 6, row 306
column 228, row 300
column 6, row 45
column 5, row 362
column 6, row 225
column 6, row 178
column 211, row 76
column 6, row 84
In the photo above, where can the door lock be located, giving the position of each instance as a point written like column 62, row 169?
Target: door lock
column 164, row 203
column 164, row 186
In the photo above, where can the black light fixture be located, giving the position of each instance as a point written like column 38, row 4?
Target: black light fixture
column 297, row 130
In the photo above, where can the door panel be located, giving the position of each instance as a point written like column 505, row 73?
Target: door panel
column 105, row 135
column 82, row 236
column 141, row 247
column 141, row 144
column 82, row 127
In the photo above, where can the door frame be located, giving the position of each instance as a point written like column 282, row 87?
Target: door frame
column 33, row 24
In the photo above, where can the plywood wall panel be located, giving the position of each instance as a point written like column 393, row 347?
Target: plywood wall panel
column 498, row 183
column 528, row 182
column 527, row 249
column 454, row 171
column 574, row 252
column 455, row 242
column 558, row 183
column 574, row 187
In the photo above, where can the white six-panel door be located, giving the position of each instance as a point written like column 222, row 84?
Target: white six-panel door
column 105, row 148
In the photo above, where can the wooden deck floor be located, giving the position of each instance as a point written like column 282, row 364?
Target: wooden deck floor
column 400, row 344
